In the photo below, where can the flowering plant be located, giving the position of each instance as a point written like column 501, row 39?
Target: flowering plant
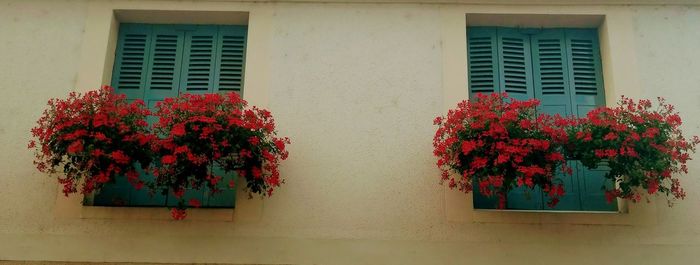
column 643, row 146
column 93, row 137
column 199, row 133
column 500, row 144
column 97, row 136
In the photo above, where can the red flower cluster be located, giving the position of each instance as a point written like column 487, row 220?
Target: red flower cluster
column 202, row 132
column 97, row 136
column 500, row 144
column 92, row 137
column 178, row 214
column 642, row 146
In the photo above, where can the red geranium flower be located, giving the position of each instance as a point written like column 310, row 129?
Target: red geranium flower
column 201, row 134
column 168, row 159
column 499, row 143
column 74, row 134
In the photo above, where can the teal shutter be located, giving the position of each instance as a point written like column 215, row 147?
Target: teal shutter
column 199, row 60
column 584, row 70
column 551, row 80
column 131, row 60
column 515, row 74
column 482, row 53
column 550, row 70
column 153, row 62
column 213, row 61
column 515, row 65
column 162, row 82
column 196, row 77
column 163, row 67
column 500, row 61
column 587, row 92
column 140, row 66
column 561, row 68
column 592, row 182
column 230, row 62
column 482, row 50
column 229, row 65
column 226, row 197
column 228, row 77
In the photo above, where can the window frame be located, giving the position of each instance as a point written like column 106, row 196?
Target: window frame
column 615, row 33
column 122, row 189
column 565, row 95
column 95, row 69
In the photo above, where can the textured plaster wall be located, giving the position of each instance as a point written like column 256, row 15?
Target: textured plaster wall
column 669, row 65
column 356, row 87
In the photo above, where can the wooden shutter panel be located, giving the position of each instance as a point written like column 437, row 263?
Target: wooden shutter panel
column 208, row 60
column 164, row 64
column 515, row 74
column 134, row 60
column 482, row 53
column 482, row 48
column 500, row 61
column 592, row 182
column 195, row 78
column 587, row 93
column 214, row 59
column 163, row 81
column 228, row 77
column 584, row 68
column 199, row 60
column 551, row 81
column 515, row 65
column 131, row 59
column 230, row 62
column 550, row 72
column 226, row 198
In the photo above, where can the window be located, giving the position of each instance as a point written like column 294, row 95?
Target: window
column 561, row 68
column 155, row 61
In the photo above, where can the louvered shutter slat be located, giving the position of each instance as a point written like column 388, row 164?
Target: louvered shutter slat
column 131, row 58
column 584, row 70
column 164, row 64
column 515, row 64
column 483, row 64
column 230, row 62
column 550, row 72
column 199, row 60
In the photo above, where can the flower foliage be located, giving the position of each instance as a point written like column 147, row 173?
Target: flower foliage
column 642, row 145
column 497, row 144
column 201, row 132
column 92, row 137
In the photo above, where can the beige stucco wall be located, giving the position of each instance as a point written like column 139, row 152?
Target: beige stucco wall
column 355, row 86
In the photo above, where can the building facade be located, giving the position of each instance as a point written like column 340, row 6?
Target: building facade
column 356, row 86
